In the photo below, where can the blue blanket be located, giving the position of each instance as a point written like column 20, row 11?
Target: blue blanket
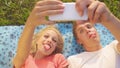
column 9, row 36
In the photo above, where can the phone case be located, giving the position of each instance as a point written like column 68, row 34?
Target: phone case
column 70, row 14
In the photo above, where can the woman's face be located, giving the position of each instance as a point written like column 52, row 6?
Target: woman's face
column 47, row 42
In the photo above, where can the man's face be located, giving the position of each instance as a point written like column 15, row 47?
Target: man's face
column 86, row 34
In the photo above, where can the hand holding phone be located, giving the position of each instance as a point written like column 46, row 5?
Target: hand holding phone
column 70, row 14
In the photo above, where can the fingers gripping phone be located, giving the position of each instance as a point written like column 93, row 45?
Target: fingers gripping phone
column 70, row 14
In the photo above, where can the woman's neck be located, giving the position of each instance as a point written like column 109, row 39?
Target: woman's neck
column 39, row 56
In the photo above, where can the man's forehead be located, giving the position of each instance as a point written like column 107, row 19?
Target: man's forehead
column 82, row 22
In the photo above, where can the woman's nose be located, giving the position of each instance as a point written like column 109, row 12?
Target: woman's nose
column 49, row 40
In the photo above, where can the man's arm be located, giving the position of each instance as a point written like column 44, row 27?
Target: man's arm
column 113, row 24
column 98, row 12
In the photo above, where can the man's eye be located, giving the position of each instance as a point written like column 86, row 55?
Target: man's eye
column 81, row 31
column 89, row 26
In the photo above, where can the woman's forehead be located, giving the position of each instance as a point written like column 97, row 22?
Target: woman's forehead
column 51, row 32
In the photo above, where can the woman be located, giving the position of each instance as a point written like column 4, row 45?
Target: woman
column 43, row 49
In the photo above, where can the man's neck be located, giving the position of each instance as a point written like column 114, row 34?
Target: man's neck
column 93, row 48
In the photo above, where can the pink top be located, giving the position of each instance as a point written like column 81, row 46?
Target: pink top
column 53, row 61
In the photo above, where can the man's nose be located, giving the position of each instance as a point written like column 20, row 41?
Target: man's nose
column 87, row 30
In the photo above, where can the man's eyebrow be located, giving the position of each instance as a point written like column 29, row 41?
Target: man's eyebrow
column 79, row 28
column 88, row 24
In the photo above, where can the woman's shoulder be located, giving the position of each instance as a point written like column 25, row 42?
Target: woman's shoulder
column 58, row 55
column 60, row 60
column 30, row 58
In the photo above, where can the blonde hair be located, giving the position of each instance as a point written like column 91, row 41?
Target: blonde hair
column 60, row 42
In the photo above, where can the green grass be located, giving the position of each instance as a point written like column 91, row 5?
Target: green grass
column 15, row 12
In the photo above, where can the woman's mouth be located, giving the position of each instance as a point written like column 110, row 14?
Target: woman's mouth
column 47, row 46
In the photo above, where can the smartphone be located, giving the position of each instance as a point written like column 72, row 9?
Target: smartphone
column 70, row 14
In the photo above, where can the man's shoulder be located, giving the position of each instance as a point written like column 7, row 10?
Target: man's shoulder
column 111, row 45
column 76, row 56
column 114, row 42
column 73, row 56
column 75, row 59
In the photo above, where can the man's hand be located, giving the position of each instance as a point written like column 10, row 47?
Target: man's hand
column 97, row 11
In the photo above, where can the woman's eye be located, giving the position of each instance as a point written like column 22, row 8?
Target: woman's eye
column 54, row 40
column 46, row 36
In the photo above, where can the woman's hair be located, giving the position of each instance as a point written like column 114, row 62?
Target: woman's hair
column 60, row 42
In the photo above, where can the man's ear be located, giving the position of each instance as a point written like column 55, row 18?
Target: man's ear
column 79, row 41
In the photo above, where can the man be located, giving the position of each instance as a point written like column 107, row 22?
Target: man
column 95, row 56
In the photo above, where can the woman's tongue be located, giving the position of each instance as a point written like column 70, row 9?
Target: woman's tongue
column 47, row 47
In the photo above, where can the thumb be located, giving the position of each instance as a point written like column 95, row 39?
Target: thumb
column 81, row 5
